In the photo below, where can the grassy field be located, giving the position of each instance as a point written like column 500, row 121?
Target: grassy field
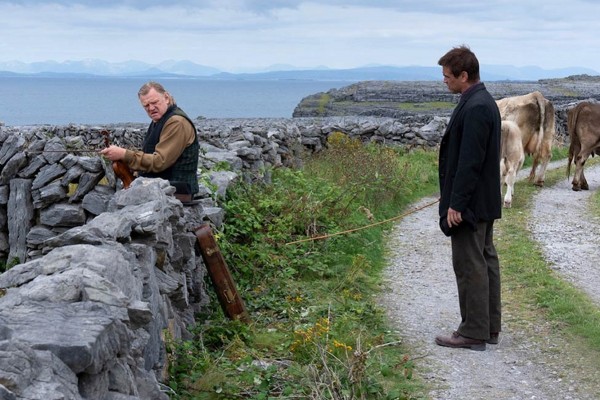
column 308, row 273
column 316, row 332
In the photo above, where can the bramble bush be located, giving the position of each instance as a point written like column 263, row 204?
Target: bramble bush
column 316, row 331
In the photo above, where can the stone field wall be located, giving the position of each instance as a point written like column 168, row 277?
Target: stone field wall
column 100, row 277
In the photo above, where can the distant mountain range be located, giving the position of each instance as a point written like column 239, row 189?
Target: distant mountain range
column 188, row 69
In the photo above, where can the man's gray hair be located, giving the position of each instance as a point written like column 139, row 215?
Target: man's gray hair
column 146, row 87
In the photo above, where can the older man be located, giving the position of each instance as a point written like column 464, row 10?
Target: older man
column 170, row 149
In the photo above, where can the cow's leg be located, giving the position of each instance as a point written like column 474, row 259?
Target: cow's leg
column 584, row 184
column 511, row 178
column 577, row 176
column 541, row 175
column 534, row 165
column 543, row 159
column 503, row 181
column 510, row 187
column 585, row 155
column 588, row 142
column 574, row 150
column 575, row 183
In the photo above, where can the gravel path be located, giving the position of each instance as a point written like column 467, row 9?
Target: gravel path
column 532, row 361
column 569, row 234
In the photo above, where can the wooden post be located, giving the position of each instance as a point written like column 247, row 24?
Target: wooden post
column 229, row 298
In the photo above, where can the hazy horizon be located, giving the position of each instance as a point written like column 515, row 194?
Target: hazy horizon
column 247, row 35
column 185, row 68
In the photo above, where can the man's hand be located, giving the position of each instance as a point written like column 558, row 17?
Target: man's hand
column 113, row 153
column 454, row 217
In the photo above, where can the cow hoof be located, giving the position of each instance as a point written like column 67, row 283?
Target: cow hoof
column 576, row 188
column 539, row 183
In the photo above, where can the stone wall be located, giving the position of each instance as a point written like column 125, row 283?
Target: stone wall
column 404, row 99
column 104, row 276
column 52, row 179
column 89, row 318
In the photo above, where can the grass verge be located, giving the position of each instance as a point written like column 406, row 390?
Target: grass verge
column 316, row 330
column 528, row 280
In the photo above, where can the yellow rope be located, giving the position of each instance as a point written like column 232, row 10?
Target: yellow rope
column 366, row 226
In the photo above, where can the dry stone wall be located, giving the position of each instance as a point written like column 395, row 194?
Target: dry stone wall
column 52, row 178
column 100, row 277
column 89, row 318
column 103, row 276
column 414, row 102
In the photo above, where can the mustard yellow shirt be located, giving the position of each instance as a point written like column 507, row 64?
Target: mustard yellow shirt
column 176, row 135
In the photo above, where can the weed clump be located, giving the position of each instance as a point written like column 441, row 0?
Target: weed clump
column 317, row 332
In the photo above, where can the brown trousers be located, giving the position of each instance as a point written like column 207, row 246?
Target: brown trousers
column 477, row 271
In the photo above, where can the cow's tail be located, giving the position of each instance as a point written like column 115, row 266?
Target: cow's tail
column 574, row 139
column 541, row 103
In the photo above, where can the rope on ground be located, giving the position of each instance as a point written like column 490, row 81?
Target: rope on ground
column 364, row 227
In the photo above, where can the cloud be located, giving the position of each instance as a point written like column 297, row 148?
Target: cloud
column 257, row 5
column 235, row 35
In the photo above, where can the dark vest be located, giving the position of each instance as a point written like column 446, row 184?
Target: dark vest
column 184, row 170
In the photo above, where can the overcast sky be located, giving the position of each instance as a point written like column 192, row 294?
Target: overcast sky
column 237, row 35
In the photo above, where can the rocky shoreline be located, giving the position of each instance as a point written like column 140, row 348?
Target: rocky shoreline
column 410, row 101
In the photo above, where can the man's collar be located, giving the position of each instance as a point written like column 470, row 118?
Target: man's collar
column 472, row 87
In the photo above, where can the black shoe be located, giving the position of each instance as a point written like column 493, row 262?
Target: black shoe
column 493, row 338
column 458, row 341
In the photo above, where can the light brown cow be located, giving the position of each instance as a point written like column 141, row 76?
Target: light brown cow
column 534, row 115
column 512, row 157
column 583, row 123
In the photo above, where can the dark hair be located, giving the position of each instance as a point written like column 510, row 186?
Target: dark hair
column 158, row 87
column 461, row 59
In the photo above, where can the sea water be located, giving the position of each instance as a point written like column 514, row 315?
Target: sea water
column 104, row 100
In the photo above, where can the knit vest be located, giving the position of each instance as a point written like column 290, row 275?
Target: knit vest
column 186, row 166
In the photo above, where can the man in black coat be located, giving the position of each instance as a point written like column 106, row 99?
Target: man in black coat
column 469, row 176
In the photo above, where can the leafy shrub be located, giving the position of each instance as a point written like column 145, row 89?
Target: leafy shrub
column 308, row 270
column 374, row 175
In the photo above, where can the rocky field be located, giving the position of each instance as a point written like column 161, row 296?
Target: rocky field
column 404, row 100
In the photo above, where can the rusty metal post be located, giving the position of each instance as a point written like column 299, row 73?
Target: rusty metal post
column 229, row 298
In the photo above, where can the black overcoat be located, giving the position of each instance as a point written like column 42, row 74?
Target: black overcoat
column 469, row 158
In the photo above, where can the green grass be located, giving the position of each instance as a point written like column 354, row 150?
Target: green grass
column 323, row 101
column 316, row 330
column 408, row 106
column 558, row 153
column 430, row 105
column 530, row 282
column 595, row 203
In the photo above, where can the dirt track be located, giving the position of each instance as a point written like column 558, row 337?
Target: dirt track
column 532, row 361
